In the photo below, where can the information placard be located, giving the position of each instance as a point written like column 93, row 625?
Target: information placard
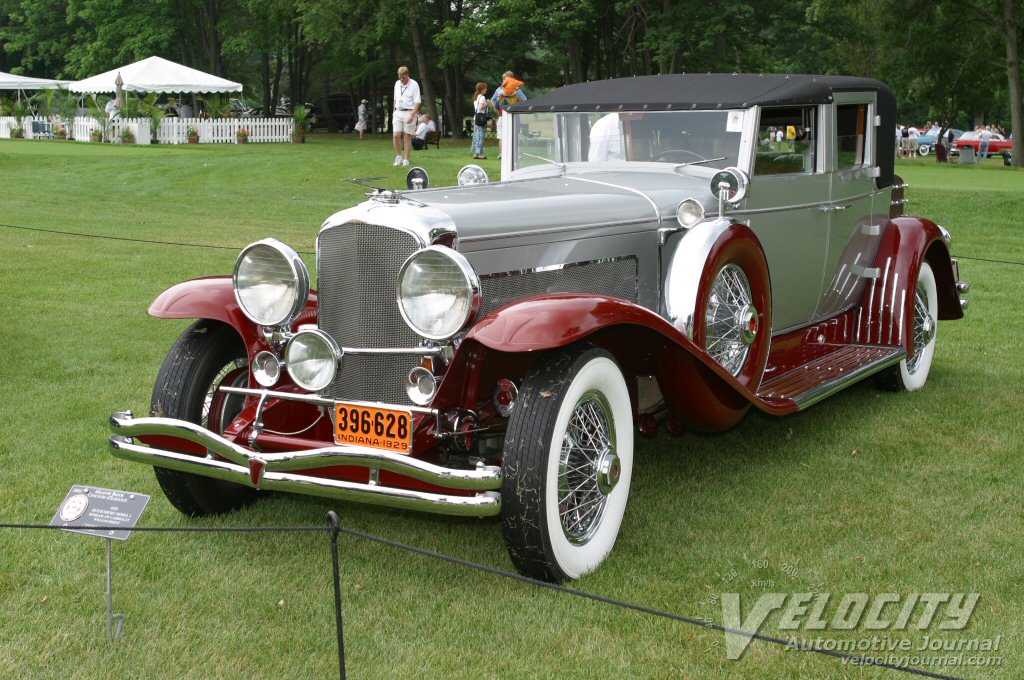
column 95, row 507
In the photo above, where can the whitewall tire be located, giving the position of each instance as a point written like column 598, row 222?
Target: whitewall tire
column 567, row 464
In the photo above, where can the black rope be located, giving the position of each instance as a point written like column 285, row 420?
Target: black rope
column 301, row 252
column 133, row 240
column 334, row 530
column 200, row 530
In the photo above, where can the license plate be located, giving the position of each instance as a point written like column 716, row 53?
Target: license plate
column 376, row 428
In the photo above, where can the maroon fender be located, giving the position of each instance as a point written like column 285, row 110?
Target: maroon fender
column 700, row 391
column 214, row 298
column 887, row 305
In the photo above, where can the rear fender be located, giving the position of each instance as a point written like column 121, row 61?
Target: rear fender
column 887, row 307
column 700, row 392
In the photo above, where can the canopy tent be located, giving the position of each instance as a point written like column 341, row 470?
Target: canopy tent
column 9, row 81
column 155, row 74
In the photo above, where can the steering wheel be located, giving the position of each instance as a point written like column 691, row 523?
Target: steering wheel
column 678, row 156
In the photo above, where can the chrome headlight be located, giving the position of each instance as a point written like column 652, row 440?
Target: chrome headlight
column 689, row 212
column 271, row 283
column 311, row 359
column 438, row 292
column 472, row 174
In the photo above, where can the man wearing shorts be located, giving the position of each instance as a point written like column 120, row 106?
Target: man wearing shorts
column 403, row 121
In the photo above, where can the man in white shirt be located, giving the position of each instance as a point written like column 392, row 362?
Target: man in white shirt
column 403, row 121
column 419, row 140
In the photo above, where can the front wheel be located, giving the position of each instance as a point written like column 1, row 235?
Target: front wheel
column 206, row 356
column 567, row 465
column 912, row 373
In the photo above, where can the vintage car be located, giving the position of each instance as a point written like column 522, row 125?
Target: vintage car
column 997, row 144
column 669, row 249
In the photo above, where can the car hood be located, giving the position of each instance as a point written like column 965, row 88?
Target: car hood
column 573, row 202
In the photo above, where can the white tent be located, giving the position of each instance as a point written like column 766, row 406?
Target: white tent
column 156, row 75
column 9, row 81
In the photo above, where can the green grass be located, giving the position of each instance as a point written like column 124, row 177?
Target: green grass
column 866, row 492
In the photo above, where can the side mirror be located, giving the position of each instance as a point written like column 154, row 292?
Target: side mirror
column 729, row 186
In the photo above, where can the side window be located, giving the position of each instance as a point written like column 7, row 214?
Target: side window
column 786, row 141
column 851, row 135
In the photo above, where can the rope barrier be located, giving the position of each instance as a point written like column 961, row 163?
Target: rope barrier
column 300, row 252
column 334, row 529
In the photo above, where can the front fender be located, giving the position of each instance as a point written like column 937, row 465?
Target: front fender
column 213, row 298
column 699, row 391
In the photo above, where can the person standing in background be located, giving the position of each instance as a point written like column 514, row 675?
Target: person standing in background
column 361, row 118
column 510, row 92
column 480, row 106
column 403, row 121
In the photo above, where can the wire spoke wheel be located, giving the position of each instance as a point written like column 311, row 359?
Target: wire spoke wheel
column 587, row 443
column 726, row 319
column 567, row 464
column 924, row 327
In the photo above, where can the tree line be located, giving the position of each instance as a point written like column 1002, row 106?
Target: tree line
column 955, row 61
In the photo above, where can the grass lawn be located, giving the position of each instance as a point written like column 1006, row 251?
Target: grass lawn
column 866, row 492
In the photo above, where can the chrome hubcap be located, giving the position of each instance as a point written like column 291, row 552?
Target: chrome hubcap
column 588, row 468
column 731, row 319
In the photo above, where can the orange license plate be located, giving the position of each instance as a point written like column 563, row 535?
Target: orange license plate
column 376, row 428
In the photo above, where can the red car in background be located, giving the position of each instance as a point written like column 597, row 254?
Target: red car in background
column 997, row 144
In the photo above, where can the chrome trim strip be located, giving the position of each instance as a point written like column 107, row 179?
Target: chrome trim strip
column 317, row 400
column 903, row 308
column 417, row 351
column 554, row 230
column 483, row 504
column 892, row 305
column 654, row 206
column 828, row 388
column 482, row 478
column 881, row 300
column 798, row 206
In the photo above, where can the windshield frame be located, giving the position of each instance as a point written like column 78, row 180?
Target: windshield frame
column 560, row 143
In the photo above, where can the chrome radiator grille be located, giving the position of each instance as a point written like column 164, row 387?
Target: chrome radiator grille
column 616, row 277
column 357, row 267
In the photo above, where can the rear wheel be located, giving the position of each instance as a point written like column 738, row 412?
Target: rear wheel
column 912, row 373
column 206, row 356
column 567, row 465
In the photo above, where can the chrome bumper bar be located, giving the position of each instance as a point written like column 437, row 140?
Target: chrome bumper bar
column 275, row 471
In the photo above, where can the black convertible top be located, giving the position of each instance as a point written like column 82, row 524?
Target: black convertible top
column 698, row 91
column 681, row 92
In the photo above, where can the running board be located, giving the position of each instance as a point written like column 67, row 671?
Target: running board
column 823, row 377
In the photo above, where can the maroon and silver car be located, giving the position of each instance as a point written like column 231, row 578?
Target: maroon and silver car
column 669, row 249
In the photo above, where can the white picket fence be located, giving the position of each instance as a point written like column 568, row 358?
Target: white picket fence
column 171, row 130
column 225, row 130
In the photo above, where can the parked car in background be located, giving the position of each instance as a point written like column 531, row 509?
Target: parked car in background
column 926, row 141
column 996, row 144
column 656, row 252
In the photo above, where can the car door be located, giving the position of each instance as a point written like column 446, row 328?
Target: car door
column 788, row 189
column 856, row 212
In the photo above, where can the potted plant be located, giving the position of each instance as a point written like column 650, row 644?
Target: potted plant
column 242, row 135
column 127, row 137
column 17, row 133
column 303, row 120
column 193, row 135
column 96, row 135
column 61, row 133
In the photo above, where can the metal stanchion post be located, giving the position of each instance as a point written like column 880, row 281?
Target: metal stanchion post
column 332, row 519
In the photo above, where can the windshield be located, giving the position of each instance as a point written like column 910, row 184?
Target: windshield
column 710, row 138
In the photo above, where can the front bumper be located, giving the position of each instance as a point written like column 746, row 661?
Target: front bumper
column 278, row 471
